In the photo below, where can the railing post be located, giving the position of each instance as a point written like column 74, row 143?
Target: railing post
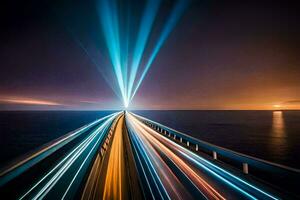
column 174, row 137
column 215, row 155
column 245, row 168
column 188, row 143
column 196, row 147
column 181, row 139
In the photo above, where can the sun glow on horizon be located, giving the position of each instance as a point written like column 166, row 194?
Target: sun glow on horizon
column 276, row 106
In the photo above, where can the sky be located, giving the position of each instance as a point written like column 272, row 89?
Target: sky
column 221, row 55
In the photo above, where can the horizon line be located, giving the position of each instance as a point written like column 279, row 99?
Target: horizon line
column 14, row 110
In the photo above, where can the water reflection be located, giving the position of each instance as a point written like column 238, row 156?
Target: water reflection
column 278, row 133
column 278, row 127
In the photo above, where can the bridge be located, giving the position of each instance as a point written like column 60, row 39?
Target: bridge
column 127, row 156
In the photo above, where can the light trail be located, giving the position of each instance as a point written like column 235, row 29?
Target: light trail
column 92, row 185
column 113, row 174
column 114, row 185
column 205, row 189
column 47, row 150
column 149, row 173
column 166, row 182
column 143, row 161
column 240, row 185
column 84, row 149
column 82, row 165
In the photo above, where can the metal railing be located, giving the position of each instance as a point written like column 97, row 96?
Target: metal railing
column 280, row 176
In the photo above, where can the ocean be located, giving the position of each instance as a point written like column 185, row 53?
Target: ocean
column 269, row 135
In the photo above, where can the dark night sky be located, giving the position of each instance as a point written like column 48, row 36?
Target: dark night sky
column 221, row 55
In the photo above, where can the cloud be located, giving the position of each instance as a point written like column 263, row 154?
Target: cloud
column 291, row 102
column 90, row 102
column 29, row 101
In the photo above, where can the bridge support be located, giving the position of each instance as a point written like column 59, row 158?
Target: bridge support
column 215, row 155
column 245, row 168
column 188, row 143
column 181, row 139
column 197, row 147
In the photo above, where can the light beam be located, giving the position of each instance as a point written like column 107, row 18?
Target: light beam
column 142, row 38
column 176, row 13
column 116, row 26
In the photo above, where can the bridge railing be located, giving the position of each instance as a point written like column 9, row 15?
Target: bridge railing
column 277, row 175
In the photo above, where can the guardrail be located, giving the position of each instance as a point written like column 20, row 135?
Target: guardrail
column 280, row 176
column 107, row 141
column 25, row 162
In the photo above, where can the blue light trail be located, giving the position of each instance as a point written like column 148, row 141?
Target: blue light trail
column 25, row 164
column 49, row 180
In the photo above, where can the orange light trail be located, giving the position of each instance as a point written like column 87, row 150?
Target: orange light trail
column 162, row 144
column 169, row 180
column 114, row 180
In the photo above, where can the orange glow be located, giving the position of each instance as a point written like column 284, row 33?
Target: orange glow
column 28, row 101
column 278, row 127
column 114, row 180
column 278, row 140
column 277, row 106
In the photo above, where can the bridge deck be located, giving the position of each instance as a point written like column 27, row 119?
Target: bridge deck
column 125, row 156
